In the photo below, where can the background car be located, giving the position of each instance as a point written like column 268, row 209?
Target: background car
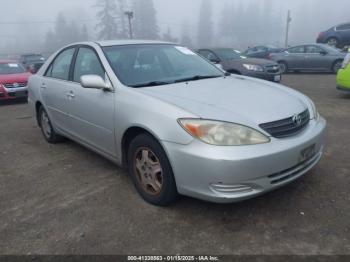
column 234, row 62
column 13, row 80
column 338, row 36
column 314, row 57
column 262, row 51
column 343, row 76
column 32, row 62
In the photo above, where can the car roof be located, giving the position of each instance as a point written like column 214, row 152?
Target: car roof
column 129, row 42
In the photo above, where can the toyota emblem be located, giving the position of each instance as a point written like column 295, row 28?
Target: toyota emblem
column 297, row 120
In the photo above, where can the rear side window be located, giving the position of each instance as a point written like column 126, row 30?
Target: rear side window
column 343, row 27
column 61, row 65
column 87, row 63
column 296, row 50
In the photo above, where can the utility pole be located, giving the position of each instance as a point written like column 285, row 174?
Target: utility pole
column 289, row 19
column 130, row 16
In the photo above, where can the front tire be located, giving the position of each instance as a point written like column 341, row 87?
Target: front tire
column 333, row 42
column 46, row 128
column 283, row 67
column 151, row 172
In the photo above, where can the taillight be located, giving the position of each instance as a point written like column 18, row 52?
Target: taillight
column 321, row 35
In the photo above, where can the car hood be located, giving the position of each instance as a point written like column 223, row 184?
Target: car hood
column 14, row 78
column 237, row 99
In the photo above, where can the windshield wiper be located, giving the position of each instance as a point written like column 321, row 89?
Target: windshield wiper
column 195, row 78
column 152, row 83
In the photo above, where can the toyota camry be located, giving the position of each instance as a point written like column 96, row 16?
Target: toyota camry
column 179, row 124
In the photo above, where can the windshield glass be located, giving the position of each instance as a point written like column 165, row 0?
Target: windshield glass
column 229, row 54
column 11, row 68
column 150, row 65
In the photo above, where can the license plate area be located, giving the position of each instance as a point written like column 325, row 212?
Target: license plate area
column 277, row 78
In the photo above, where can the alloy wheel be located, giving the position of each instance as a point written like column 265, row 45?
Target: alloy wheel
column 45, row 125
column 148, row 171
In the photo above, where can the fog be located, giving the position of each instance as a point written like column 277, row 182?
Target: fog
column 43, row 26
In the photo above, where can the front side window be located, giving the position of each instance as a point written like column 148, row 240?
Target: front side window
column 208, row 55
column 157, row 64
column 87, row 63
column 229, row 54
column 60, row 67
column 11, row 68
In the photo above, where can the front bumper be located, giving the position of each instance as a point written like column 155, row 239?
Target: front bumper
column 276, row 77
column 13, row 93
column 231, row 174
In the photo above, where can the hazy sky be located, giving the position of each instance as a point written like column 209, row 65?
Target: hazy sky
column 309, row 16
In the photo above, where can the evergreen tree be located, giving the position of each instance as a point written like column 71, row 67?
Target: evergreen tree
column 185, row 35
column 84, row 35
column 107, row 14
column 145, row 21
column 167, row 36
column 205, row 24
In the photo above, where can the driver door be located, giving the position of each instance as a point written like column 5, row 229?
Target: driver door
column 92, row 110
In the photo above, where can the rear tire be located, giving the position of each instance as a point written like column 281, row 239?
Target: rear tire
column 333, row 41
column 283, row 67
column 46, row 128
column 151, row 172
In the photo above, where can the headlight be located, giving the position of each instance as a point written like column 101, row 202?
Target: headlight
column 256, row 68
column 222, row 133
column 314, row 110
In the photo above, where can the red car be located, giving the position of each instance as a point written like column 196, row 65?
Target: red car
column 13, row 80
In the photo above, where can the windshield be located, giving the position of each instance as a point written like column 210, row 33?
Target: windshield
column 150, row 65
column 11, row 68
column 229, row 54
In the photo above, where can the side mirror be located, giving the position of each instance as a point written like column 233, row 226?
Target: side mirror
column 323, row 52
column 94, row 82
column 215, row 60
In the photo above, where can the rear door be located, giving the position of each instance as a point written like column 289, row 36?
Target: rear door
column 317, row 58
column 344, row 32
column 55, row 86
column 91, row 110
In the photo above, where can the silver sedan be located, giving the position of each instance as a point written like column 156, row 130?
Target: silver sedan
column 179, row 124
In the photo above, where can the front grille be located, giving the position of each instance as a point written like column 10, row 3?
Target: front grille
column 15, row 85
column 272, row 69
column 287, row 127
column 294, row 171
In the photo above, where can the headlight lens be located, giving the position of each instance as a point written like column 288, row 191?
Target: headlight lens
column 256, row 68
column 314, row 110
column 222, row 133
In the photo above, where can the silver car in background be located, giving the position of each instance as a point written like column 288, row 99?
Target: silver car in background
column 178, row 123
column 314, row 58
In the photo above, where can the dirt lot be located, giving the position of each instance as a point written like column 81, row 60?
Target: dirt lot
column 65, row 199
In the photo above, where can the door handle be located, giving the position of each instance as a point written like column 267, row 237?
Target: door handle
column 70, row 94
column 43, row 86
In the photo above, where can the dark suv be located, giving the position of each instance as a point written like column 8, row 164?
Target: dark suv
column 338, row 36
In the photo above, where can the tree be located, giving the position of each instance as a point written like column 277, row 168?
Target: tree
column 107, row 14
column 84, row 35
column 167, row 36
column 185, row 35
column 145, row 22
column 205, row 24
